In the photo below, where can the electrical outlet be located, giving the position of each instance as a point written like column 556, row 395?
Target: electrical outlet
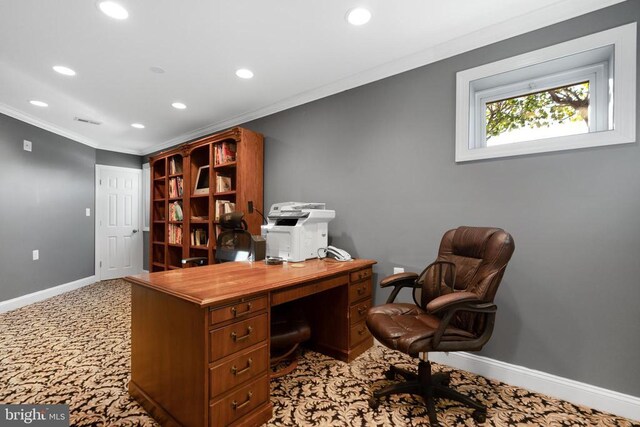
column 397, row 270
column 87, row 211
column 36, row 255
column 26, row 145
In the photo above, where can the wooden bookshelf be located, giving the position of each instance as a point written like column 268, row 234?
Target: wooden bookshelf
column 233, row 162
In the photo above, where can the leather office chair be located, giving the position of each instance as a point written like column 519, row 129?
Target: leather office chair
column 289, row 327
column 234, row 241
column 453, row 310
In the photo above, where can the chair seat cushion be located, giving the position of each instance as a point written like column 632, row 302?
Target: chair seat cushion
column 288, row 329
column 407, row 328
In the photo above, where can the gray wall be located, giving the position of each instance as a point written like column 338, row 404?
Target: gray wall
column 382, row 156
column 45, row 194
column 113, row 158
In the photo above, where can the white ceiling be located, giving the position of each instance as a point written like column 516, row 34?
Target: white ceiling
column 298, row 50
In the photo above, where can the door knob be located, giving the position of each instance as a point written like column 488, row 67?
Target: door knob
column 134, row 231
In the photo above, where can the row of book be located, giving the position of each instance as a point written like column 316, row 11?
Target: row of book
column 175, row 165
column 222, row 207
column 175, row 212
column 223, row 183
column 199, row 237
column 224, row 153
column 176, row 187
column 175, row 234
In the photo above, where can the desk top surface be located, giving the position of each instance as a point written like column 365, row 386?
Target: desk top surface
column 218, row 283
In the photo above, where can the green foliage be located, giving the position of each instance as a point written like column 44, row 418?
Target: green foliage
column 539, row 109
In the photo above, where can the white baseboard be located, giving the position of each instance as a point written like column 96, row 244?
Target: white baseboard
column 18, row 302
column 572, row 391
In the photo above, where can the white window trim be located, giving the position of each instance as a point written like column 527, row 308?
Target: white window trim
column 624, row 97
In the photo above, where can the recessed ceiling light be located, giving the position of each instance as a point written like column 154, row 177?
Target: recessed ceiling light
column 137, row 125
column 243, row 73
column 157, row 70
column 358, row 16
column 39, row 103
column 113, row 9
column 178, row 106
column 64, row 70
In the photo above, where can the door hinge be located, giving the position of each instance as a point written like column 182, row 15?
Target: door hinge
column 100, row 264
column 100, row 181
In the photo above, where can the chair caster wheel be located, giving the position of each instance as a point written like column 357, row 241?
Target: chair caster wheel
column 373, row 403
column 390, row 375
column 479, row 416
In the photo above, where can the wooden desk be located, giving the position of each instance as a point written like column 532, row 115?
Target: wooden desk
column 200, row 336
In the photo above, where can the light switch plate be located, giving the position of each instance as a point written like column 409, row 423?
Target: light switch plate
column 397, row 270
column 26, row 145
column 36, row 255
column 87, row 212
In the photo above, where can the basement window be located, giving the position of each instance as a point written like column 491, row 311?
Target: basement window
column 572, row 95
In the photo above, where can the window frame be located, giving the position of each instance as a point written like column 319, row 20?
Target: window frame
column 617, row 80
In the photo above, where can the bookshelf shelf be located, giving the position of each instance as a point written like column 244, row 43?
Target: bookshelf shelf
column 226, row 169
column 225, row 165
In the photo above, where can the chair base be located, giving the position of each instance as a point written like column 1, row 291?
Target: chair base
column 429, row 386
column 289, row 357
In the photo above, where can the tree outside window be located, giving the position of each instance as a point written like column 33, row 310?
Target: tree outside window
column 553, row 112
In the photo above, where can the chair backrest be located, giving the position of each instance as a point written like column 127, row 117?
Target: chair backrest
column 233, row 245
column 472, row 259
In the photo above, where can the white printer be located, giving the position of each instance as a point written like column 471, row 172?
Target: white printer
column 296, row 230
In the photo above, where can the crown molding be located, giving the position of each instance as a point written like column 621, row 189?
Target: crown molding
column 43, row 124
column 50, row 127
column 535, row 20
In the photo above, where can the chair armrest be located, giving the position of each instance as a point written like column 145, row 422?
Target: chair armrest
column 399, row 281
column 452, row 305
column 398, row 277
column 446, row 301
column 195, row 260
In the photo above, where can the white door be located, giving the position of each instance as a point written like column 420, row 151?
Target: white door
column 118, row 234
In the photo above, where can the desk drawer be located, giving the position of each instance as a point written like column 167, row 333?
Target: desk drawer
column 225, row 411
column 246, row 366
column 237, row 336
column 358, row 333
column 301, row 291
column 358, row 312
column 359, row 290
column 361, row 275
column 237, row 310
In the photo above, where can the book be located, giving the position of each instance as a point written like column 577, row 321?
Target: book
column 222, row 207
column 175, row 212
column 175, row 166
column 223, row 183
column 199, row 237
column 224, row 153
column 175, row 234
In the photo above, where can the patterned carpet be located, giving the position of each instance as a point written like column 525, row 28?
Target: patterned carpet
column 75, row 349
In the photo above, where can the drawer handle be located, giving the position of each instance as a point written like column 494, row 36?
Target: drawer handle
column 362, row 310
column 361, row 290
column 236, row 338
column 235, row 405
column 361, row 331
column 235, row 371
column 234, row 310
